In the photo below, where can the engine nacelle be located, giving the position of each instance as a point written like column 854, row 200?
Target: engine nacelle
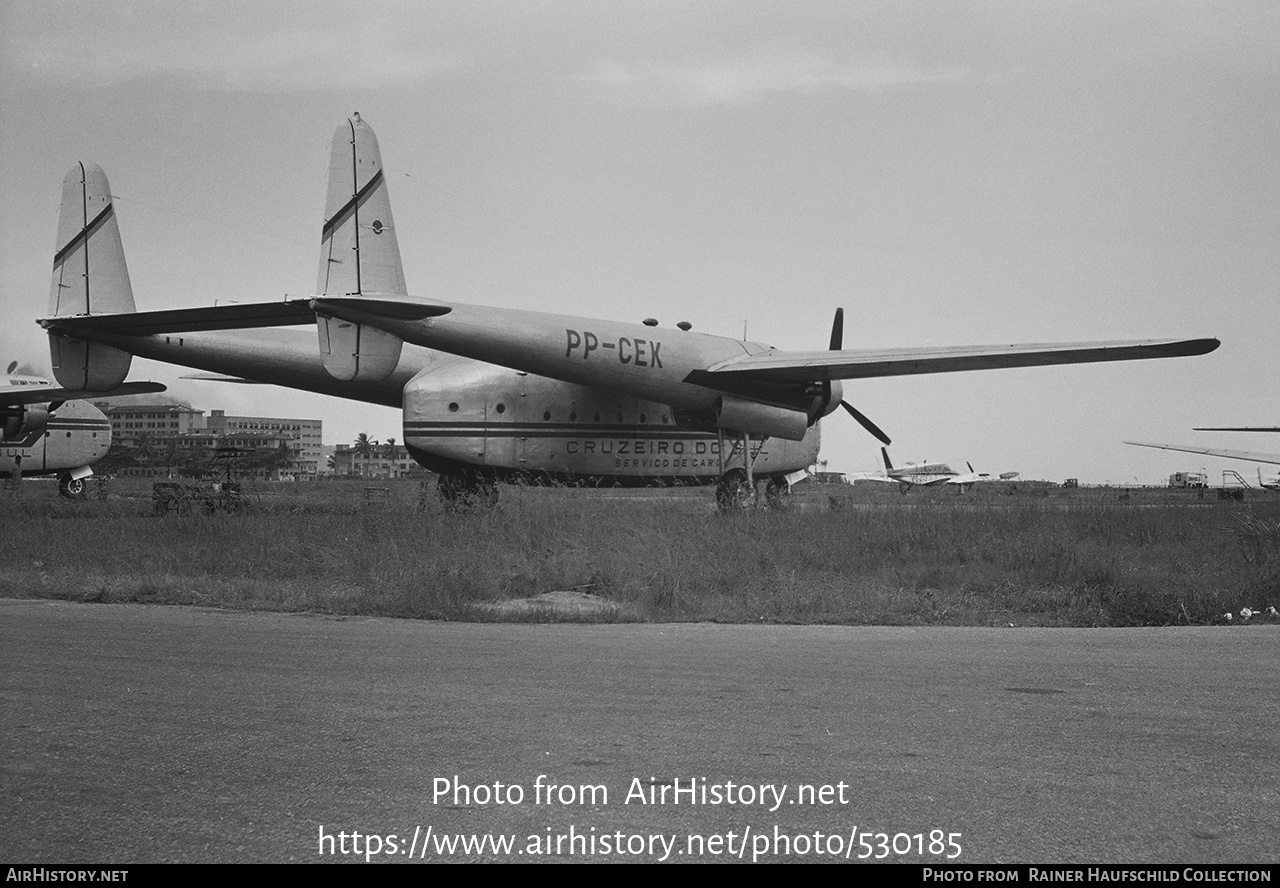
column 356, row 352
column 23, row 420
column 753, row 418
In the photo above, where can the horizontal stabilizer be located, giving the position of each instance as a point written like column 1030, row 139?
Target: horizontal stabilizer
column 789, row 367
column 294, row 312
column 1273, row 458
column 190, row 320
column 41, row 395
column 400, row 308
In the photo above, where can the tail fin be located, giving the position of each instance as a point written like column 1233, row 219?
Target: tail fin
column 359, row 252
column 89, row 277
column 888, row 466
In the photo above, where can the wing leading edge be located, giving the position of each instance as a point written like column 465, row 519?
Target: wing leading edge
column 784, row 367
column 1273, row 458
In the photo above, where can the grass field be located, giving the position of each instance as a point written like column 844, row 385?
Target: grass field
column 1021, row 554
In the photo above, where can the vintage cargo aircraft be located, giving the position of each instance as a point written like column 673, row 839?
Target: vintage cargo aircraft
column 46, row 429
column 493, row 394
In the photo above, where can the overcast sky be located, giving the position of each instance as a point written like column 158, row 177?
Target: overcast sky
column 965, row 173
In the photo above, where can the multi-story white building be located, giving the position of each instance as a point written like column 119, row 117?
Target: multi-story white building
column 130, row 421
column 383, row 461
column 157, row 422
column 304, row 435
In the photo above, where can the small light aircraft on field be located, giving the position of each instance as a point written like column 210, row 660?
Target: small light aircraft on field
column 926, row 474
column 46, row 429
column 966, row 480
column 496, row 394
column 1271, row 482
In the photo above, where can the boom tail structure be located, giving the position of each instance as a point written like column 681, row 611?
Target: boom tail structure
column 89, row 277
column 359, row 255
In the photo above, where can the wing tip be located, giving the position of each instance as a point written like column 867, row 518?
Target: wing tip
column 1203, row 346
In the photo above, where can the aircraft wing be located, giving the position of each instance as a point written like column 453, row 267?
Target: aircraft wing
column 1273, row 458
column 1238, row 429
column 39, row 394
column 800, row 367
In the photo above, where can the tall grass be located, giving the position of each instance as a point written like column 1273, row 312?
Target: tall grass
column 972, row 561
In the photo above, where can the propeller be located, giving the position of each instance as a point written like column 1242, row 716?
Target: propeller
column 866, row 423
column 837, row 343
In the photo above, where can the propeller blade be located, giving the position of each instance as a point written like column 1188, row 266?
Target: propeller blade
column 866, row 423
column 837, row 332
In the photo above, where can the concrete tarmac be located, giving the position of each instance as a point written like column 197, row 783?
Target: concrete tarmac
column 136, row 734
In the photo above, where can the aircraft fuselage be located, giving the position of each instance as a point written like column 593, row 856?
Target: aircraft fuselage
column 647, row 362
column 460, row 413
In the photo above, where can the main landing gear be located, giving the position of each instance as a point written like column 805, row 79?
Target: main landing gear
column 736, row 489
column 735, row 493
column 71, row 488
column 464, row 490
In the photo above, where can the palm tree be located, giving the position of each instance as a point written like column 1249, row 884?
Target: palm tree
column 146, row 448
column 364, row 445
column 389, row 449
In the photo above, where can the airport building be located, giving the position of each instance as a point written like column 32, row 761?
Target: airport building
column 381, row 461
column 130, row 421
column 304, row 435
column 178, row 431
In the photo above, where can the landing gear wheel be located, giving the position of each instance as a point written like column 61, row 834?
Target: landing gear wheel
column 733, row 493
column 71, row 488
column 778, row 494
column 462, row 490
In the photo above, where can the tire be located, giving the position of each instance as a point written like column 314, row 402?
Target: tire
column 733, row 493
column 778, row 494
column 464, row 490
column 71, row 488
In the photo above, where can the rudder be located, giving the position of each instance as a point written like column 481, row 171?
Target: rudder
column 359, row 252
column 359, row 255
column 89, row 277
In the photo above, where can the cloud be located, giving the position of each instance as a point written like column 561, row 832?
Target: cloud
column 740, row 82
column 238, row 53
